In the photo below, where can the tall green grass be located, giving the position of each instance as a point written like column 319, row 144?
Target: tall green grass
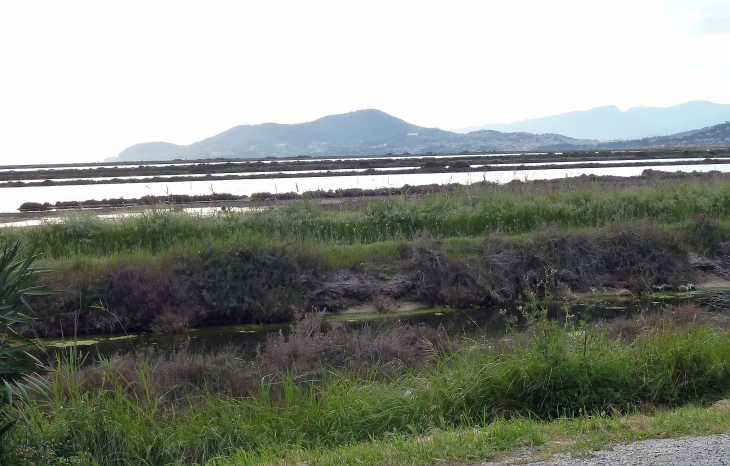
column 552, row 372
column 528, row 439
column 469, row 211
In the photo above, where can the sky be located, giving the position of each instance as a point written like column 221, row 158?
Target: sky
column 83, row 80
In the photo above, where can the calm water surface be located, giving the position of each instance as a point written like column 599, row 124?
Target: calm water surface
column 333, row 159
column 203, row 175
column 11, row 198
column 485, row 322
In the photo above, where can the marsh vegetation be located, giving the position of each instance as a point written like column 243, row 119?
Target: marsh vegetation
column 477, row 245
column 314, row 394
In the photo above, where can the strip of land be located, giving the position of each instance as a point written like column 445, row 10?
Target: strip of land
column 430, row 162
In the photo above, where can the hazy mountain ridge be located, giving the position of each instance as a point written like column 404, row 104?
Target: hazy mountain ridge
column 714, row 136
column 324, row 136
column 610, row 123
column 363, row 132
column 602, row 123
column 151, row 151
column 372, row 132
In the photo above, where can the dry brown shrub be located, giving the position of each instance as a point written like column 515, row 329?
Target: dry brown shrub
column 384, row 304
column 690, row 314
column 171, row 376
column 489, row 279
column 385, row 352
column 624, row 329
column 628, row 329
column 306, row 353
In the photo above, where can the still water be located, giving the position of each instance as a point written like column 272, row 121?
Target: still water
column 484, row 322
column 203, row 175
column 22, row 168
column 210, row 210
column 11, row 198
column 49, row 176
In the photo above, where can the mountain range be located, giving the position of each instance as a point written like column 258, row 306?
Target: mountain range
column 363, row 132
column 373, row 132
column 610, row 123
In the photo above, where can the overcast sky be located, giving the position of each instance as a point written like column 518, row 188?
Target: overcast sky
column 83, row 80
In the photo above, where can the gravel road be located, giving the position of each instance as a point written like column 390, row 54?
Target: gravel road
column 695, row 451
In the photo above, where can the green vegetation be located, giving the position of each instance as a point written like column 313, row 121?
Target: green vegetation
column 17, row 366
column 514, row 209
column 479, row 245
column 398, row 395
column 473, row 399
column 503, row 438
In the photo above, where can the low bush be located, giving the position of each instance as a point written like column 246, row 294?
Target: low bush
column 366, row 353
column 193, row 289
column 634, row 257
column 33, row 206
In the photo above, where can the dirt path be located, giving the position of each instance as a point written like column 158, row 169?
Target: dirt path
column 694, row 451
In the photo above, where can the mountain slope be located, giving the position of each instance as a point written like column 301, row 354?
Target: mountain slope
column 601, row 123
column 372, row 132
column 151, row 151
column 610, row 123
column 714, row 136
column 364, row 132
column 684, row 117
column 331, row 132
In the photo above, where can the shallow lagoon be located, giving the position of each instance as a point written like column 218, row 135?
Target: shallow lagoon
column 11, row 198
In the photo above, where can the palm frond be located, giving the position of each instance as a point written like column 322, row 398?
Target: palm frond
column 18, row 367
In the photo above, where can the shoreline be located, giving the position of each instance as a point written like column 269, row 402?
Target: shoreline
column 330, row 199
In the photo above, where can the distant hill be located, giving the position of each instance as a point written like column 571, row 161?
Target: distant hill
column 151, row 151
column 372, row 132
column 713, row 136
column 363, row 132
column 610, row 123
column 327, row 135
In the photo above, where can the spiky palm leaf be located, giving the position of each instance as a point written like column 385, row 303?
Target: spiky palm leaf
column 19, row 369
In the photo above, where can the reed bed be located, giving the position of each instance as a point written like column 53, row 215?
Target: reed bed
column 469, row 211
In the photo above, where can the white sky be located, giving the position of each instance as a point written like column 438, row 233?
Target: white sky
column 83, row 80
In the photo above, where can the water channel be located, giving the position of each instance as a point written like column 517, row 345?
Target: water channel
column 248, row 339
column 22, row 168
column 11, row 198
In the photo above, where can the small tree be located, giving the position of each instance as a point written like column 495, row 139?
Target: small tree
column 18, row 368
